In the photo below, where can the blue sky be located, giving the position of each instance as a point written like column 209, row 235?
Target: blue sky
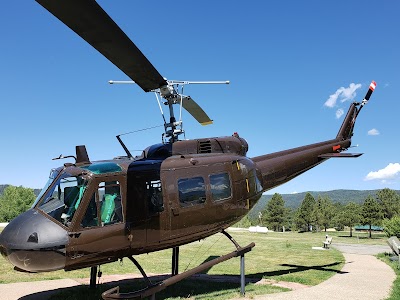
column 285, row 60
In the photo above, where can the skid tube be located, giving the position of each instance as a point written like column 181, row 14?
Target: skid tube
column 153, row 288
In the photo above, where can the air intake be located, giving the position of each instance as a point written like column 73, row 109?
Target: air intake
column 204, row 147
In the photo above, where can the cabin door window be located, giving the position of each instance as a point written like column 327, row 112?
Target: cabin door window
column 192, row 191
column 220, row 186
column 105, row 207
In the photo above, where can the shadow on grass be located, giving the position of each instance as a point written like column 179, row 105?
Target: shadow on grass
column 201, row 286
column 184, row 289
column 296, row 269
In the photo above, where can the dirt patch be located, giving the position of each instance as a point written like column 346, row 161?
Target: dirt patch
column 284, row 284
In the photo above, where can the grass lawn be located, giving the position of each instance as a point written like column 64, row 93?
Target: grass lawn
column 395, row 294
column 279, row 256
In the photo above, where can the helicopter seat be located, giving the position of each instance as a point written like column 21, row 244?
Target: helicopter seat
column 70, row 195
column 108, row 208
column 72, row 199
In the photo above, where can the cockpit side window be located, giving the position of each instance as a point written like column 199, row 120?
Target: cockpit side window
column 105, row 206
column 63, row 198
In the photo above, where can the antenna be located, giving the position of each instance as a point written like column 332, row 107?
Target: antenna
column 123, row 146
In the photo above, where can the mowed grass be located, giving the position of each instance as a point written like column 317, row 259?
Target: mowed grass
column 395, row 294
column 279, row 256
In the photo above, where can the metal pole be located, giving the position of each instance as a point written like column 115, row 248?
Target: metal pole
column 175, row 261
column 93, row 277
column 242, row 277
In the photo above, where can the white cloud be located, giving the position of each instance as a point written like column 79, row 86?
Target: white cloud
column 390, row 171
column 331, row 102
column 350, row 92
column 339, row 113
column 343, row 94
column 373, row 131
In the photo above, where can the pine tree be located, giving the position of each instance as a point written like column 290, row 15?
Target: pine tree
column 350, row 216
column 275, row 212
column 323, row 212
column 305, row 215
column 371, row 213
column 390, row 202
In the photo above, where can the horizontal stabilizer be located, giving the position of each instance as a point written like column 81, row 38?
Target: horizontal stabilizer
column 340, row 155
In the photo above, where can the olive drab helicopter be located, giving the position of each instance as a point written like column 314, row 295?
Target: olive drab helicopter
column 94, row 212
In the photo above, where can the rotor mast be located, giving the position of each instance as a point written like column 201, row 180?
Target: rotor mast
column 172, row 93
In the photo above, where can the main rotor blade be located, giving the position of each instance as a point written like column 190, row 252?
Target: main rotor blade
column 195, row 110
column 95, row 26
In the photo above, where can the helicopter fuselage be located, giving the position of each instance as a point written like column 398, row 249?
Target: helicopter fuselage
column 172, row 195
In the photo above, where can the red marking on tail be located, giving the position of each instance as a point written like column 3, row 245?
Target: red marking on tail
column 372, row 86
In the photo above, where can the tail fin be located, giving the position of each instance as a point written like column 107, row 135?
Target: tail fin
column 346, row 130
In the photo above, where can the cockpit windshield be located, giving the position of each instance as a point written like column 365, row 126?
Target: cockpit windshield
column 62, row 199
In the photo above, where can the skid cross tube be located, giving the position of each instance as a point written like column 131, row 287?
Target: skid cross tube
column 152, row 289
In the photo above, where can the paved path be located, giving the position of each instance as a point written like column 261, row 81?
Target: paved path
column 34, row 290
column 363, row 277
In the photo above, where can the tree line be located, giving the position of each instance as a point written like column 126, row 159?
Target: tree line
column 14, row 201
column 321, row 213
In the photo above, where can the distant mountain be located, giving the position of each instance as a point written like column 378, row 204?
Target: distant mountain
column 294, row 200
column 3, row 186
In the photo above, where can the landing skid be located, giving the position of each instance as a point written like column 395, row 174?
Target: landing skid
column 153, row 288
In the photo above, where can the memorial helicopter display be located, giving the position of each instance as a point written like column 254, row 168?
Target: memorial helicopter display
column 95, row 212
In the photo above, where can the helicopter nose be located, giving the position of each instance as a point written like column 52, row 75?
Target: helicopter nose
column 33, row 243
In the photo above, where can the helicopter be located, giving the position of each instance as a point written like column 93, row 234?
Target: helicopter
column 178, row 191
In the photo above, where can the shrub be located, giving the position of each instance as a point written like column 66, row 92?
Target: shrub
column 392, row 226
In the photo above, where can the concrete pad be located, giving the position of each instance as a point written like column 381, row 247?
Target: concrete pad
column 34, row 290
column 319, row 248
column 363, row 277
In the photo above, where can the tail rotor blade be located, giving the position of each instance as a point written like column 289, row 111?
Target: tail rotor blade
column 372, row 87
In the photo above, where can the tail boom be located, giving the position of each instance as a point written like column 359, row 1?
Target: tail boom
column 280, row 167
